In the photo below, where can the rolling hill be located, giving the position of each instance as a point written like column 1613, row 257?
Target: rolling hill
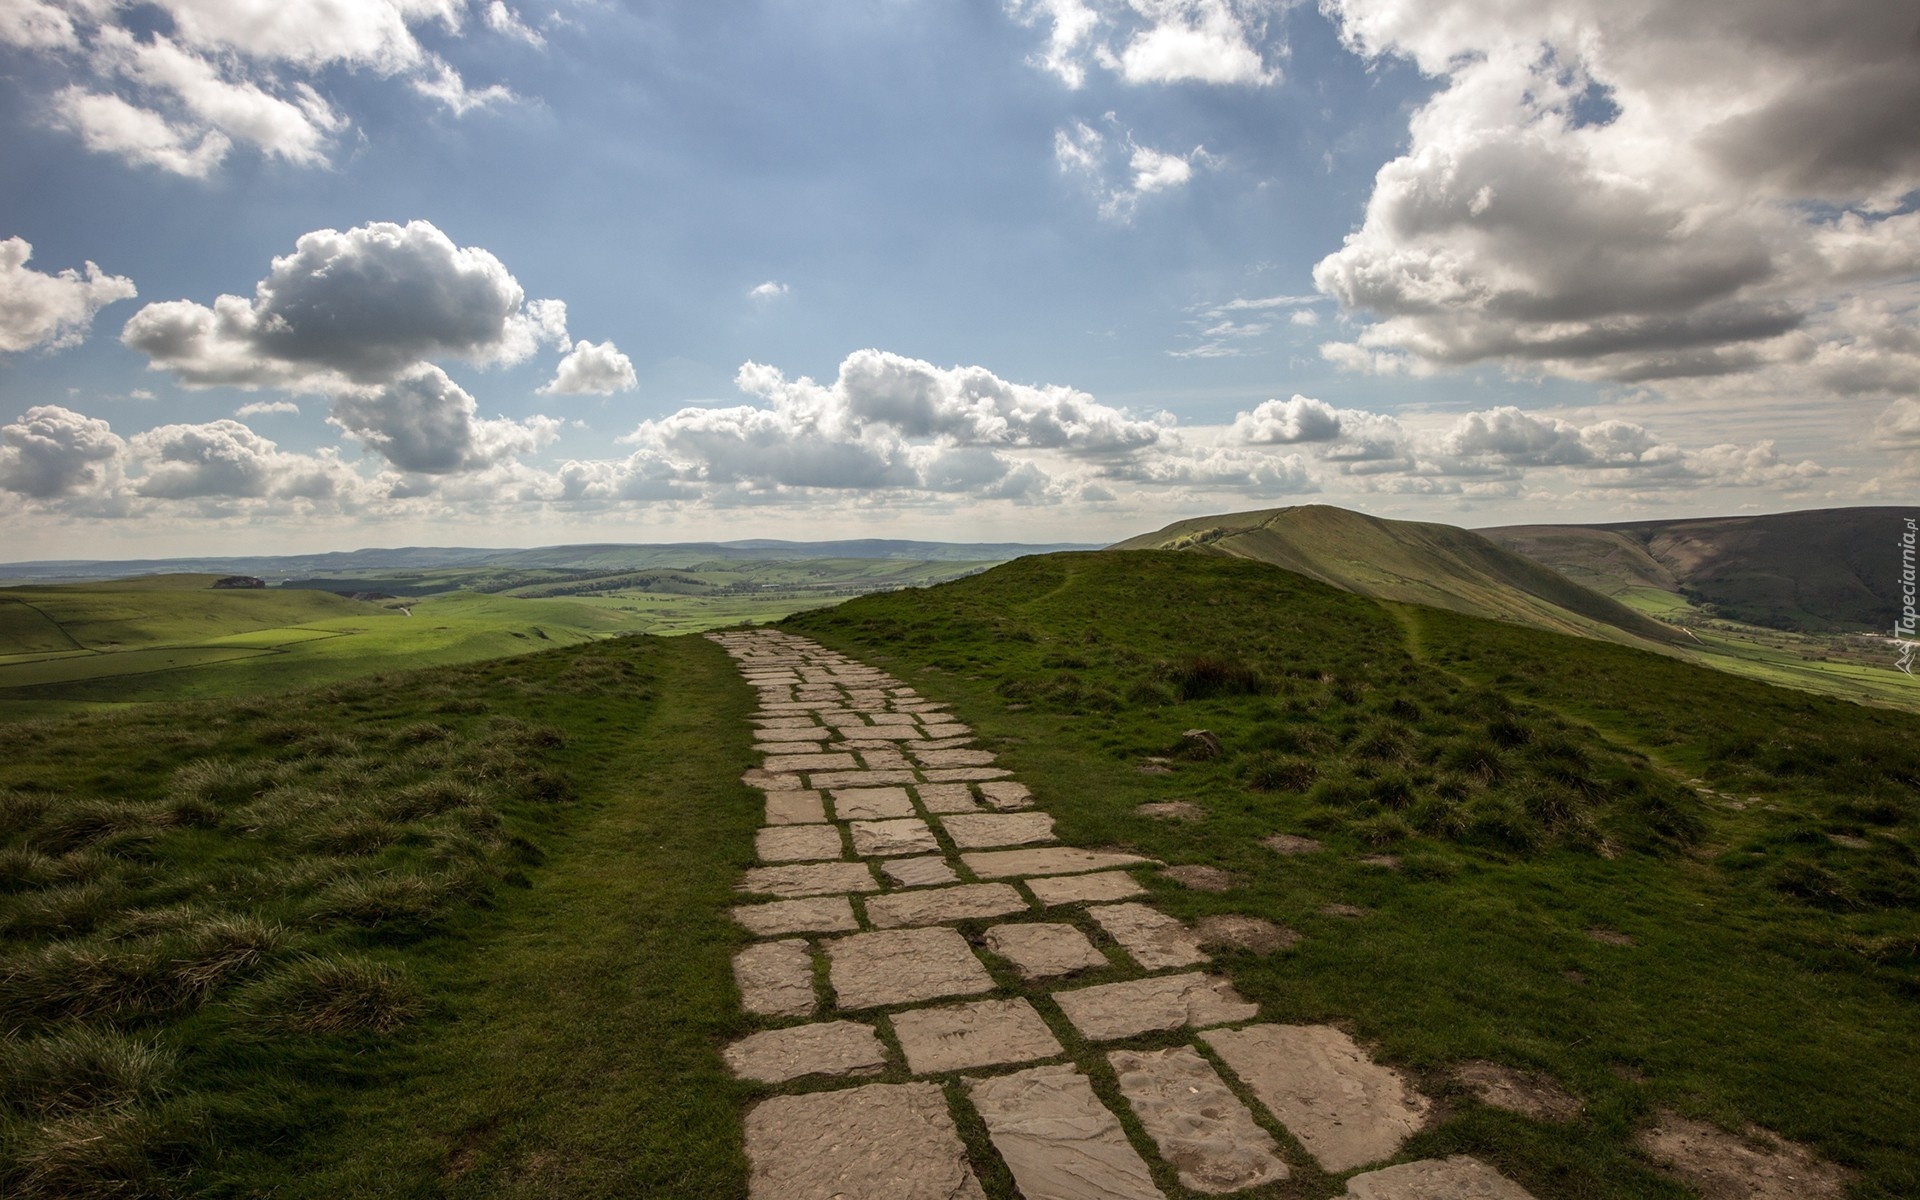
column 1823, row 570
column 1436, row 565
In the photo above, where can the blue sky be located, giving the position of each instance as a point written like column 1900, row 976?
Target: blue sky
column 1045, row 270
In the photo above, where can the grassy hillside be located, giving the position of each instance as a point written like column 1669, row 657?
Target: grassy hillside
column 1664, row 887
column 1825, row 570
column 1436, row 565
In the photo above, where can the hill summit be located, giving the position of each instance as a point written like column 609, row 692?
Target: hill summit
column 1413, row 561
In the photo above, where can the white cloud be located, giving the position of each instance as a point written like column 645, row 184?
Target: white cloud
column 1102, row 164
column 263, row 408
column 1221, row 42
column 50, row 310
column 223, row 72
column 504, row 20
column 766, row 293
column 1898, row 428
column 425, row 423
column 53, row 451
column 226, row 459
column 1629, row 192
column 358, row 307
column 596, row 370
column 1284, row 422
column 1234, row 329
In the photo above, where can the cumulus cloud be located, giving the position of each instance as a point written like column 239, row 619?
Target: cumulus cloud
column 54, row 311
column 766, row 293
column 593, row 370
column 259, row 408
column 1223, row 42
column 424, row 423
column 1284, row 422
column 358, row 307
column 226, row 459
column 1629, row 192
column 220, row 73
column 52, row 451
column 1120, row 171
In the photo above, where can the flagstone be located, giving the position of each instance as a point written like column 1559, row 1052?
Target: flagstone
column 1200, row 1127
column 1054, row 860
column 879, row 839
column 831, row 1048
column 934, row 906
column 1006, row 794
column 964, row 774
column 944, row 729
column 919, row 872
column 1042, row 950
column 795, row 808
column 903, row 966
column 981, row 1033
column 775, row 978
column 787, row 723
column 808, row 762
column 1057, row 1138
column 891, row 718
column 947, row 798
column 975, row 832
column 954, row 758
column 1455, row 1178
column 1346, row 1109
column 871, row 804
column 1154, row 939
column 1108, row 1012
column 854, row 779
column 1085, row 889
column 797, row 843
column 810, row 879
column 884, row 760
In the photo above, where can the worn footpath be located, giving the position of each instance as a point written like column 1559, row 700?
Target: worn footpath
column 916, row 920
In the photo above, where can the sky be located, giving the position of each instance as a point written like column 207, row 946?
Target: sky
column 297, row 275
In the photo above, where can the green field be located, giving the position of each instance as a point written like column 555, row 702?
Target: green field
column 463, row 931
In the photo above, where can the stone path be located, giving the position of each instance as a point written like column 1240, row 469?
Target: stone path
column 929, row 958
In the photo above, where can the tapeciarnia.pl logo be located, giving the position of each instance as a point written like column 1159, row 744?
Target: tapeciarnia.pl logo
column 1903, row 626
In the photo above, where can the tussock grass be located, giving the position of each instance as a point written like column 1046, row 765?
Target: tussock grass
column 104, row 1154
column 80, row 1068
column 335, row 994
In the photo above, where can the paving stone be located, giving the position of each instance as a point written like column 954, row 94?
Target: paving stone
column 1154, row 939
column 775, row 978
column 954, row 758
column 963, row 774
column 796, row 843
column 982, row 1033
column 892, row 718
column 1248, row 933
column 998, row 829
column 1042, row 950
column 768, row 781
column 1346, row 1109
column 884, row 1141
column 831, row 1048
column 795, row 808
column 855, row 779
column 903, row 966
column 1057, row 860
column 884, row 760
column 1456, row 1178
column 810, row 879
column 1085, row 889
column 1111, row 1011
column 808, row 762
column 947, row 798
column 919, row 872
column 934, row 906
column 788, row 723
column 879, row 839
column 952, row 743
column 1057, row 1138
column 1007, row 795
column 1200, row 1126
column 943, row 729
column 798, row 733
column 871, row 804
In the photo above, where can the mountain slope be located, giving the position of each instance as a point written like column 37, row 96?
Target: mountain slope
column 1825, row 569
column 1437, row 565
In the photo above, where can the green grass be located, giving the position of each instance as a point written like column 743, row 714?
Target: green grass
column 448, row 932
column 1773, row 972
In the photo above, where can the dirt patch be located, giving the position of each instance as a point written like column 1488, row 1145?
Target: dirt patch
column 1850, row 841
column 1287, row 843
column 1523, row 1092
column 1574, row 977
column 1611, row 937
column 1151, row 767
column 1248, row 933
column 1389, row 862
column 1345, row 910
column 1205, row 879
column 1173, row 810
column 1725, row 1166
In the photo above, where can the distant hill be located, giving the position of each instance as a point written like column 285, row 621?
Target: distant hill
column 1436, row 565
column 602, row 557
column 1822, row 570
